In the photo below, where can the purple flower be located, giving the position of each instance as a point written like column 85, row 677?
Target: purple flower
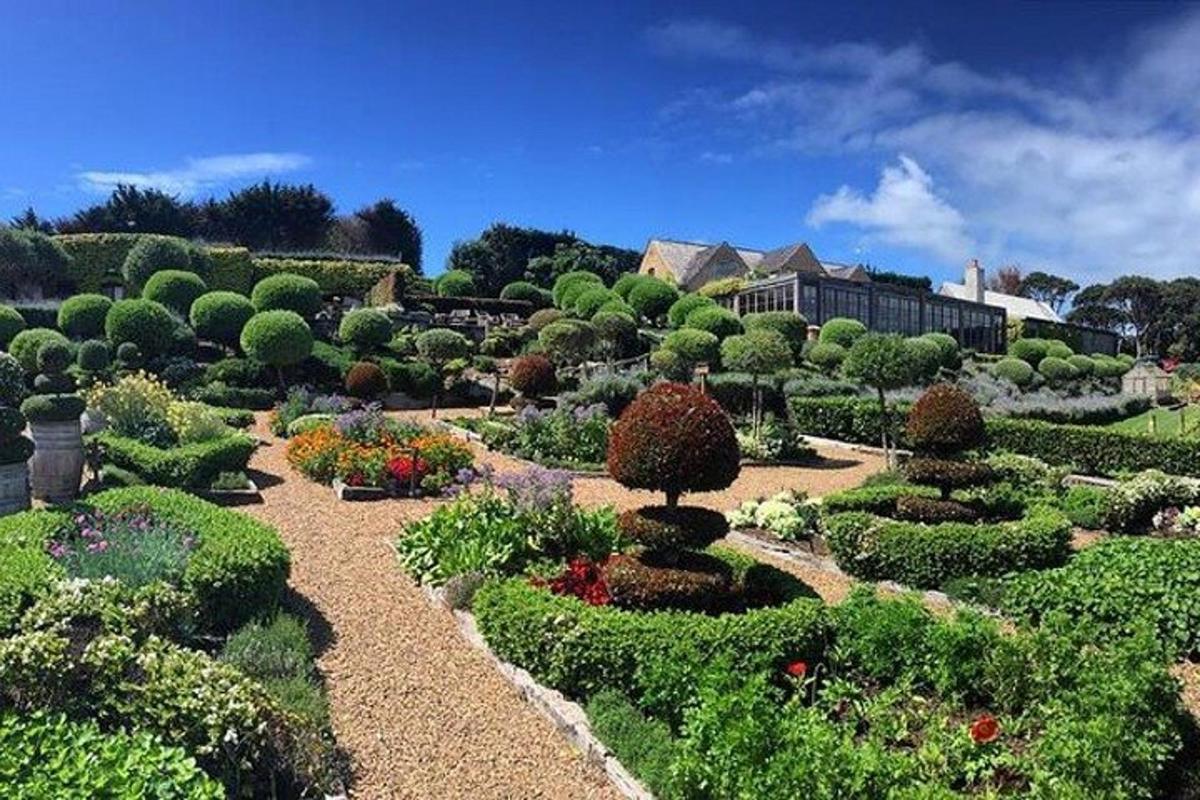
column 58, row 550
column 537, row 488
column 530, row 414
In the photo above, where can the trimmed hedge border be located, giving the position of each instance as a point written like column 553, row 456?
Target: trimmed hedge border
column 1087, row 449
column 237, row 572
column 189, row 466
column 926, row 556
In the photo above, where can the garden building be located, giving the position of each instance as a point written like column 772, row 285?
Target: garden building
column 1147, row 379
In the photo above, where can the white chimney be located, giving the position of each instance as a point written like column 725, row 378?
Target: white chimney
column 973, row 280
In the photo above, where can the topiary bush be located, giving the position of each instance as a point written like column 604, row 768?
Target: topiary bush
column 569, row 285
column 568, row 341
column 720, row 322
column 1059, row 349
column 1082, row 365
column 673, row 439
column 945, row 420
column 11, row 323
column 827, row 356
column 527, row 292
column 926, row 358
column 82, row 316
column 220, row 316
column 533, row 376
column 793, row 328
column 590, row 301
column 278, row 338
column 625, row 283
column 1056, row 370
column 129, row 355
column 1014, row 370
column 175, row 289
column 1031, row 351
column 686, row 304
column 670, row 365
column 145, row 323
column 94, row 356
column 455, row 283
column 948, row 347
column 842, row 331
column 694, row 346
column 25, row 345
column 947, row 474
column 151, row 254
column 366, row 381
column 665, row 528
column 287, row 292
column 543, row 317
column 652, row 298
column 366, row 329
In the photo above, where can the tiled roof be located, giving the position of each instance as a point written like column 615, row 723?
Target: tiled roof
column 686, row 259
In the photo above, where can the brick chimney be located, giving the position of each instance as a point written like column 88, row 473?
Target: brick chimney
column 973, row 280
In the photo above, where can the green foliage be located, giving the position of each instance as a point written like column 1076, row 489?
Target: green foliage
column 926, row 556
column 1014, row 370
column 48, row 756
column 1031, row 351
column 670, row 365
column 279, row 655
column 220, row 316
column 25, row 346
column 1058, row 349
column 366, row 328
column 759, row 352
column 625, row 283
column 879, row 360
column 232, row 270
column 334, row 275
column 455, row 283
column 526, row 291
column 842, row 331
column 82, row 316
column 145, row 323
column 193, row 465
column 279, row 338
column 827, row 356
column 287, row 292
column 793, row 328
column 879, row 500
column 570, row 284
column 722, row 287
column 543, row 317
column 1130, row 506
column 643, row 746
column 686, row 304
column 175, row 289
column 652, row 298
column 1084, row 506
column 926, row 358
column 948, row 346
column 693, row 346
column 220, row 394
column 153, row 254
column 719, row 321
column 1082, row 365
column 591, row 300
column 1057, row 370
column 441, row 345
column 415, row 379
column 568, row 341
column 11, row 323
column 616, row 333
column 53, row 407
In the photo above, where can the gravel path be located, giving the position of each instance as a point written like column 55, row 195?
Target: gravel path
column 421, row 713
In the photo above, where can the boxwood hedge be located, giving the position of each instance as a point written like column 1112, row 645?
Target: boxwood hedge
column 188, row 466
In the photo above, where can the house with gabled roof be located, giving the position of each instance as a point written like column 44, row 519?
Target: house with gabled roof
column 690, row 265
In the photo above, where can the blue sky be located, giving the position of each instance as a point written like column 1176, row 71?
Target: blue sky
column 911, row 136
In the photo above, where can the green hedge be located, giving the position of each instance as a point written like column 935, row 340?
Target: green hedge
column 1087, row 449
column 232, row 270
column 189, row 466
column 97, row 258
column 236, row 573
column 879, row 500
column 236, row 397
column 926, row 556
column 48, row 756
column 334, row 277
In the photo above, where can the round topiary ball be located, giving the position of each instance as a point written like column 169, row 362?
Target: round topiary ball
column 93, row 356
column 82, row 316
column 279, row 338
column 26, row 344
column 948, row 346
column 793, row 328
column 1057, row 349
column 694, row 346
column 925, row 356
column 12, row 380
column 129, row 354
column 366, row 381
column 1031, row 351
column 1014, row 370
column 945, row 420
column 1057, row 370
column 624, row 284
column 673, row 438
column 532, row 376
column 53, row 357
column 11, row 323
column 1083, row 365
column 544, row 317
column 151, row 254
column 673, row 527
column 175, row 289
column 567, row 341
column 366, row 329
column 456, row 283
column 12, row 423
column 618, row 306
column 720, row 322
column 572, row 284
column 287, row 292
column 652, row 298
column 220, row 316
column 842, row 331
column 679, row 310
column 146, row 323
column 670, row 365
column 591, row 301
column 527, row 292
column 827, row 356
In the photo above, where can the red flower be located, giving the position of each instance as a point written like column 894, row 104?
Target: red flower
column 406, row 468
column 985, row 729
column 583, row 579
column 797, row 669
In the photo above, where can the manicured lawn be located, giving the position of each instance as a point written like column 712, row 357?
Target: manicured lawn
column 1166, row 422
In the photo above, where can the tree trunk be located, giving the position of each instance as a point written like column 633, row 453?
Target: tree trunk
column 883, row 429
column 755, row 403
column 282, row 382
column 495, row 393
column 673, row 498
column 434, row 405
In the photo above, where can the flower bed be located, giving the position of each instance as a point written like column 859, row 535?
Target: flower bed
column 573, row 438
column 363, row 448
column 303, row 408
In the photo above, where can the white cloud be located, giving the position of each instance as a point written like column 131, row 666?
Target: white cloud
column 197, row 173
column 903, row 211
column 1094, row 171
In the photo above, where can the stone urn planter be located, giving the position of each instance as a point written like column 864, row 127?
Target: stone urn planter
column 56, row 469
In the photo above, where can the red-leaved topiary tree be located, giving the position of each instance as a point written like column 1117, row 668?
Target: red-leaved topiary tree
column 532, row 376
column 673, row 438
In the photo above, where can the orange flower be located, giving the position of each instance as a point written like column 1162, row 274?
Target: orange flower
column 985, row 729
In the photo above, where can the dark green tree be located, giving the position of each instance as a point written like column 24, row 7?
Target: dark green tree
column 29, row 220
column 271, row 216
column 130, row 209
column 1052, row 290
column 390, row 230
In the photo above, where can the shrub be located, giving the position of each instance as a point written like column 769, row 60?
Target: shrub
column 366, row 329
column 686, row 304
column 842, row 331
column 278, row 338
column 175, row 289
column 366, row 380
column 624, row 284
column 1082, row 365
column 616, row 333
column 1031, row 351
column 673, row 439
column 455, row 283
column 652, row 298
column 145, row 323
column 645, row 747
column 1056, row 370
column 526, row 291
column 543, row 317
column 567, row 341
column 153, row 254
column 670, row 365
column 1058, row 349
column 618, row 306
column 945, row 420
column 827, row 356
column 614, row 392
column 46, row 755
column 1013, row 370
column 694, row 346
column 758, row 352
column 415, row 379
column 82, row 316
column 591, row 300
column 688, row 581
column 793, row 328
column 440, row 345
column 946, row 474
column 220, row 394
column 926, row 556
column 53, row 357
column 568, row 286
column 1130, row 506
column 723, row 287
column 926, row 358
column 720, row 322
column 287, row 292
column 532, row 376
column 948, row 346
column 25, row 346
column 220, row 316
column 191, row 466
column 53, row 407
column 12, row 380
column 915, row 508
column 673, row 527
column 129, row 356
column 11, row 323
column 1084, row 506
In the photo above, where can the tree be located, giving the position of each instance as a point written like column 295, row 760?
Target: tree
column 759, row 352
column 883, row 362
column 390, row 230
column 29, row 220
column 130, row 209
column 271, row 216
column 1007, row 280
column 1049, row 289
column 615, row 332
column 439, row 347
column 1139, row 300
column 500, row 254
column 604, row 260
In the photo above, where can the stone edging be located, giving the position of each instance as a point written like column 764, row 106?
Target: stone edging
column 567, row 716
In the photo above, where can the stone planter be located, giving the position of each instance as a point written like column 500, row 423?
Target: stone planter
column 345, row 492
column 233, row 497
column 14, row 488
column 56, row 469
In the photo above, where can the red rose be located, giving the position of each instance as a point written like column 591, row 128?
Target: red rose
column 985, row 729
column 797, row 669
